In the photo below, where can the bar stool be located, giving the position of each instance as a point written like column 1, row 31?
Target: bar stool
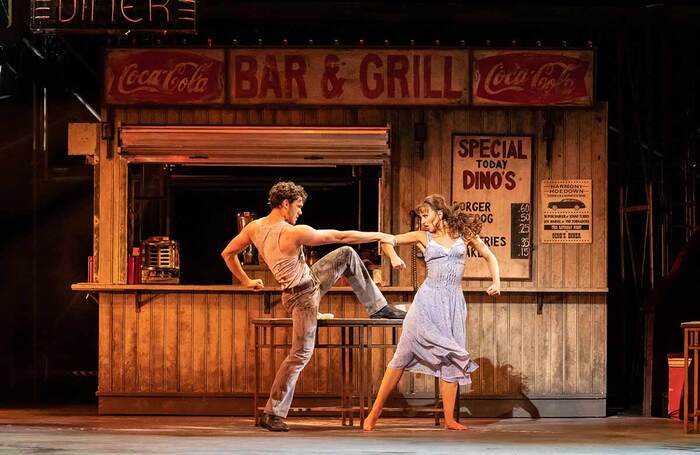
column 691, row 342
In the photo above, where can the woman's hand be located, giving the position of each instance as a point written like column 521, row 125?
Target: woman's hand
column 494, row 289
column 388, row 238
column 254, row 284
column 397, row 263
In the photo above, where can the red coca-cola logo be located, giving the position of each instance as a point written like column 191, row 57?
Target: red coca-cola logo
column 531, row 78
column 165, row 77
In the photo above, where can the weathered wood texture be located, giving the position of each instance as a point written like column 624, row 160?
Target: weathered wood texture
column 579, row 151
column 203, row 342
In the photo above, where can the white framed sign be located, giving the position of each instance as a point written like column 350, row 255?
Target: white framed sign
column 492, row 178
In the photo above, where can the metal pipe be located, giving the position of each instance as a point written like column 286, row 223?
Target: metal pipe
column 92, row 110
column 35, row 250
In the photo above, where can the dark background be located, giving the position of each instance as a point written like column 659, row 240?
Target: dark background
column 647, row 71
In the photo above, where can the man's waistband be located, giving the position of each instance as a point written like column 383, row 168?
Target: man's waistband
column 300, row 287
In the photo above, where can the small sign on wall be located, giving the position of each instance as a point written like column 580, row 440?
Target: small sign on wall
column 566, row 211
column 492, row 178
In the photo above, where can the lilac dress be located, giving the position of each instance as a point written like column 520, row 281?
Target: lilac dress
column 433, row 338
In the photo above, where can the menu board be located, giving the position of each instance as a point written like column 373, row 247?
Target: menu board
column 492, row 179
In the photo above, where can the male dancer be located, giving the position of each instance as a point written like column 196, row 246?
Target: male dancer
column 280, row 243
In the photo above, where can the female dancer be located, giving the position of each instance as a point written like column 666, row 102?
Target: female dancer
column 433, row 337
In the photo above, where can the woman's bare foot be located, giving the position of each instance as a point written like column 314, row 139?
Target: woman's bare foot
column 370, row 423
column 453, row 425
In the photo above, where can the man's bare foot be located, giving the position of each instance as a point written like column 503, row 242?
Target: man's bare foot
column 370, row 423
column 454, row 426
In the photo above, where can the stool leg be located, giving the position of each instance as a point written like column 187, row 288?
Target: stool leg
column 342, row 375
column 696, row 351
column 256, row 334
column 685, row 380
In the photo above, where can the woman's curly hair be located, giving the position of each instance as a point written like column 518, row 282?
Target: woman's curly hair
column 458, row 223
column 285, row 190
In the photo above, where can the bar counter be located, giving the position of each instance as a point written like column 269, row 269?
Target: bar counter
column 190, row 349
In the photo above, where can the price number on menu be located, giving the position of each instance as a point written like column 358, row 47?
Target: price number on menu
column 520, row 227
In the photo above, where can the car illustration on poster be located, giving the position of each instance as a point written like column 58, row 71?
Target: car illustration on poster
column 566, row 204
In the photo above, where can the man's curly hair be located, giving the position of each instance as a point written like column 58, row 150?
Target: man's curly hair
column 285, row 190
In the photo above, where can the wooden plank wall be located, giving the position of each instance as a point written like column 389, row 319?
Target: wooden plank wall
column 197, row 342
column 184, row 342
column 579, row 151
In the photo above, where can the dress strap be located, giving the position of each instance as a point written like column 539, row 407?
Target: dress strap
column 428, row 235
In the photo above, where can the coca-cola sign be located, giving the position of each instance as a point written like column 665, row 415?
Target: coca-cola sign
column 164, row 76
column 532, row 78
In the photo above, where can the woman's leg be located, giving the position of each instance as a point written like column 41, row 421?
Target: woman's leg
column 389, row 381
column 449, row 395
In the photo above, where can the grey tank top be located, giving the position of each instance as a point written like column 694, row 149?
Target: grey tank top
column 289, row 271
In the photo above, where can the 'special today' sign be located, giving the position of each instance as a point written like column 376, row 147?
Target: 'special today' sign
column 100, row 16
column 492, row 179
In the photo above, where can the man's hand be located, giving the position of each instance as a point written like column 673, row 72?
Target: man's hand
column 494, row 289
column 397, row 263
column 254, row 284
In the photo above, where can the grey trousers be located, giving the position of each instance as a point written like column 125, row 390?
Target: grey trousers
column 303, row 307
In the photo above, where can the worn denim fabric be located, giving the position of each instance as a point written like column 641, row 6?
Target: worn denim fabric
column 303, row 307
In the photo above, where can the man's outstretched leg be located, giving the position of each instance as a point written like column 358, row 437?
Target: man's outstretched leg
column 282, row 391
column 346, row 261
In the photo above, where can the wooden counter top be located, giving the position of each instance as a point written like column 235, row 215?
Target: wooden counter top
column 107, row 287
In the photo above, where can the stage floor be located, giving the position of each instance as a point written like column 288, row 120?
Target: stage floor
column 71, row 430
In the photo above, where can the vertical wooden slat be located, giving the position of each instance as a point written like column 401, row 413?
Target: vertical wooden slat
column 240, row 331
column 106, row 336
column 599, row 361
column 584, row 344
column 488, row 348
column 542, row 334
column 502, row 342
column 556, row 352
column 213, row 347
column 143, row 345
column 515, row 344
column 185, row 342
column 556, row 278
column 227, row 342
column 530, row 344
column 585, row 170
column 600, row 199
column 571, row 168
column 199, row 342
column 130, row 345
column 118, row 339
column 254, row 310
column 570, row 359
column 171, row 343
column 157, row 345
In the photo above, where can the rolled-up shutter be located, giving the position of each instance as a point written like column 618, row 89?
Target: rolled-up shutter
column 255, row 145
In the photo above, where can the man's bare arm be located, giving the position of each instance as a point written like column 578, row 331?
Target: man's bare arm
column 230, row 256
column 306, row 235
